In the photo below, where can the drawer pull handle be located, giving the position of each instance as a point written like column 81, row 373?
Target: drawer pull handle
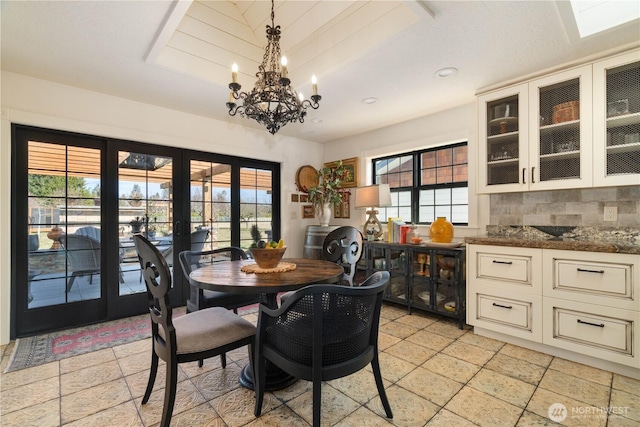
column 584, row 270
column 502, row 262
column 505, row 306
column 599, row 325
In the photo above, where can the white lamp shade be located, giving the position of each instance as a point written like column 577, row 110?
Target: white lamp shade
column 373, row 196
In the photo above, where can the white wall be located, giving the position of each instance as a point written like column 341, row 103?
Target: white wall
column 453, row 125
column 41, row 103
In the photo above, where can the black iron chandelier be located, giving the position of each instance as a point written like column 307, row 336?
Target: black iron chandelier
column 272, row 101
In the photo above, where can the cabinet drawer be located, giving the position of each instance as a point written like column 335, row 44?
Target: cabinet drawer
column 520, row 268
column 508, row 312
column 595, row 330
column 604, row 279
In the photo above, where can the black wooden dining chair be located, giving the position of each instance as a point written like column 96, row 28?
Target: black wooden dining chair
column 201, row 298
column 194, row 336
column 320, row 333
column 344, row 246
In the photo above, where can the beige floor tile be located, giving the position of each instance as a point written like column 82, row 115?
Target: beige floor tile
column 431, row 386
column 582, row 371
column 29, row 375
column 89, row 377
column 45, row 414
column 28, row 395
column 445, row 418
column 527, row 355
column 626, row 402
column 236, row 407
column 505, row 388
column 136, row 363
column 620, row 421
column 293, row 391
column 135, row 347
column 201, row 416
column 418, row 320
column 334, row 406
column 447, row 328
column 138, row 382
column 220, row 381
column 86, row 360
column 483, row 409
column 630, row 385
column 393, row 368
column 392, row 312
column 93, row 400
column 397, row 329
column 451, row 367
column 123, row 415
column 516, row 368
column 385, row 340
column 187, row 397
column 363, row 417
column 360, row 386
column 415, row 354
column 576, row 388
column 543, row 399
column 192, row 369
column 529, row 419
column 282, row 416
column 470, row 353
column 409, row 409
column 480, row 341
column 430, row 340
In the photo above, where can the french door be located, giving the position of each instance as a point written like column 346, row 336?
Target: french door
column 77, row 200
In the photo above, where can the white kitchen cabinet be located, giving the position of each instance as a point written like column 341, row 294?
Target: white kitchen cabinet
column 576, row 128
column 616, row 124
column 582, row 303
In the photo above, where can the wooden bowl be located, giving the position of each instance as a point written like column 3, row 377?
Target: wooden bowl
column 267, row 258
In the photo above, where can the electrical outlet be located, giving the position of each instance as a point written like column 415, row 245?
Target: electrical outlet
column 610, row 213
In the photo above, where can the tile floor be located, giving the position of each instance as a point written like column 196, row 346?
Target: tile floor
column 435, row 375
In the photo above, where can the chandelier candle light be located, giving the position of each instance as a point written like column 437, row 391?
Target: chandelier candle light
column 272, row 102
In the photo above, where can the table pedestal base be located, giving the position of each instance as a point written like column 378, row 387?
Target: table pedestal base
column 275, row 379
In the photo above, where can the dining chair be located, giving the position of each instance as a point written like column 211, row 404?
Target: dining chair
column 322, row 332
column 193, row 336
column 83, row 255
column 344, row 246
column 200, row 298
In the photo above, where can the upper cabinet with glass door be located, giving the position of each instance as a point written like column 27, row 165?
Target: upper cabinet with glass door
column 616, row 83
column 560, row 135
column 503, row 129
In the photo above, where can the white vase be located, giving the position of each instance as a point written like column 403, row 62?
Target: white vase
column 324, row 214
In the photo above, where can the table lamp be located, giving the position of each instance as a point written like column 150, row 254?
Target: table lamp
column 371, row 197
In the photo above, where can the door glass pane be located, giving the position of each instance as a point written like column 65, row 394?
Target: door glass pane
column 256, row 206
column 64, row 258
column 145, row 206
column 210, row 198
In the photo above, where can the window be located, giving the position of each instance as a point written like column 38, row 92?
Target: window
column 426, row 184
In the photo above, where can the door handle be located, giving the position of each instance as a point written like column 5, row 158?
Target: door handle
column 177, row 228
column 524, row 175
column 533, row 179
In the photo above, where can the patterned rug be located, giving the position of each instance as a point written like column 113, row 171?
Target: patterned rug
column 39, row 349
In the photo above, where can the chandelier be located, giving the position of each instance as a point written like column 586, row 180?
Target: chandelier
column 272, row 102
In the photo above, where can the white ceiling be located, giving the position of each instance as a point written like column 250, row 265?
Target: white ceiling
column 178, row 54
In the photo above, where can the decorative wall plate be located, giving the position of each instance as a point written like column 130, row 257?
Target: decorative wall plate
column 306, row 177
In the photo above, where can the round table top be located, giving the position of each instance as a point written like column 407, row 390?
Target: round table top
column 226, row 276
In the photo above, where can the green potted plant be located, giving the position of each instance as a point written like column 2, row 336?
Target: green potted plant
column 328, row 192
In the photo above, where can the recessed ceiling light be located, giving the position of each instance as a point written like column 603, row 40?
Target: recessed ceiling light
column 370, row 100
column 446, row 72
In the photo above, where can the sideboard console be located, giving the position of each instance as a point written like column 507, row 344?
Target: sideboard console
column 428, row 278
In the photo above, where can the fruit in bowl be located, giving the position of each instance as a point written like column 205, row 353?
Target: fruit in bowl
column 268, row 255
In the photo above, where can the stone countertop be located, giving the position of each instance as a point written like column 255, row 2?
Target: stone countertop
column 587, row 239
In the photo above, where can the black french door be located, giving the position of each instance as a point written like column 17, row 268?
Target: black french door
column 77, row 200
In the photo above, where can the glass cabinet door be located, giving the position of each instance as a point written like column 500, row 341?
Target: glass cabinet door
column 503, row 139
column 560, row 146
column 617, row 120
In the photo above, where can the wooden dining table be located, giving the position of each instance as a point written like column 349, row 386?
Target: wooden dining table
column 226, row 276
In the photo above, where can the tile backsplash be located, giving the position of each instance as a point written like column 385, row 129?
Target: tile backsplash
column 579, row 207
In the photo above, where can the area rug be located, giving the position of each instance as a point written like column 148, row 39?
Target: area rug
column 39, row 349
